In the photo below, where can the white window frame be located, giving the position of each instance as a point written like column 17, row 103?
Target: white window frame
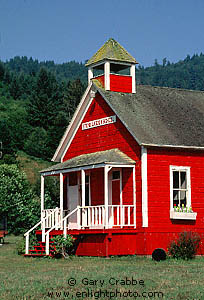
column 188, row 176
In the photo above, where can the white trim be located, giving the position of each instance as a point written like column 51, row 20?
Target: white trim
column 61, row 192
column 42, row 194
column 188, row 196
column 134, row 194
column 121, row 187
column 74, row 124
column 117, row 62
column 144, row 187
column 113, row 169
column 83, row 188
column 106, row 192
column 107, row 75
column 90, row 74
column 132, row 73
column 50, row 173
column 171, row 146
column 89, row 175
column 182, row 215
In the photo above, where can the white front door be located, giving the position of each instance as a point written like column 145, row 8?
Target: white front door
column 73, row 202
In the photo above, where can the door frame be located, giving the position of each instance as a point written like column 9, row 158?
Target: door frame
column 110, row 180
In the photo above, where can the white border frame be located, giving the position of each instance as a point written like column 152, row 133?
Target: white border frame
column 144, row 187
column 188, row 198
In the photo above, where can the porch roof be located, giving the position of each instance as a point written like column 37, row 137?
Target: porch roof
column 108, row 157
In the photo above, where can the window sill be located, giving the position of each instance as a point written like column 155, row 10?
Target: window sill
column 182, row 215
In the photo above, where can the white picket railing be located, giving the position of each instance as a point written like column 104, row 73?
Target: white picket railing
column 87, row 217
column 115, row 215
column 64, row 224
column 52, row 217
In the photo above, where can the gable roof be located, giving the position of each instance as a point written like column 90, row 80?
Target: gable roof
column 160, row 116
column 113, row 157
column 155, row 116
column 111, row 50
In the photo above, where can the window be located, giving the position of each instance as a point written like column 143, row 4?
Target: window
column 115, row 175
column 180, row 187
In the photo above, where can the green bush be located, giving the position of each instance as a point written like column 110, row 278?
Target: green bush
column 61, row 246
column 20, row 245
column 17, row 201
column 186, row 245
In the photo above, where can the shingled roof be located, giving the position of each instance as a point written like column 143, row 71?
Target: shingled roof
column 113, row 157
column 111, row 50
column 160, row 116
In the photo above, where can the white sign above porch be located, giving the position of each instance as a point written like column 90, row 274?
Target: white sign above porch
column 99, row 122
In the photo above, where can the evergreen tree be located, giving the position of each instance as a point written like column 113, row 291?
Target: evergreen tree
column 46, row 100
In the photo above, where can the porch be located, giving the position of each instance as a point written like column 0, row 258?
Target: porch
column 91, row 195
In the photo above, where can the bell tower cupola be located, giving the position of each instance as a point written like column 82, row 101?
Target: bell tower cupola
column 114, row 67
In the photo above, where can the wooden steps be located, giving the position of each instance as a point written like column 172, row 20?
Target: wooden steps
column 39, row 250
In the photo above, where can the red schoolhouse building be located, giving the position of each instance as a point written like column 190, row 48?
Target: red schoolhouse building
column 131, row 164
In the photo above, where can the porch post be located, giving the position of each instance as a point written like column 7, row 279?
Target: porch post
column 42, row 195
column 106, row 170
column 83, row 203
column 61, row 198
column 83, row 187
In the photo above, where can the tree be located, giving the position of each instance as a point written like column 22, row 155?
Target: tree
column 17, row 201
column 2, row 71
column 72, row 96
column 46, row 100
column 36, row 143
column 15, row 87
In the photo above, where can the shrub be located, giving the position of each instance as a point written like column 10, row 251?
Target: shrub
column 61, row 246
column 186, row 245
column 17, row 201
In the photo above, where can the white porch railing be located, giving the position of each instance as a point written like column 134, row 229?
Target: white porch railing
column 115, row 216
column 53, row 216
column 64, row 224
column 87, row 217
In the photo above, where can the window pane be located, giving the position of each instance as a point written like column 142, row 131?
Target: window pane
column 175, row 179
column 87, row 179
column 175, row 198
column 183, row 198
column 183, row 180
column 116, row 175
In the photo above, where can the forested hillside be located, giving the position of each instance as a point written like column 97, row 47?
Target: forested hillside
column 38, row 99
column 186, row 74
column 35, row 108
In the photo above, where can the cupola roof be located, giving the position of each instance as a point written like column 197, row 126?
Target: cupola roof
column 111, row 50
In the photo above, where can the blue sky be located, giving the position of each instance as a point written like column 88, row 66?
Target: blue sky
column 65, row 30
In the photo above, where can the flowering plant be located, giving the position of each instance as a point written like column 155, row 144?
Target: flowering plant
column 183, row 209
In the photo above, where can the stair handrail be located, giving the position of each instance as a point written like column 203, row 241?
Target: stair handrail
column 64, row 220
column 35, row 226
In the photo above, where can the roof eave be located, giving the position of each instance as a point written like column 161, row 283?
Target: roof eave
column 172, row 146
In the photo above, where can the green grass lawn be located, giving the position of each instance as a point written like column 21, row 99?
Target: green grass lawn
column 34, row 278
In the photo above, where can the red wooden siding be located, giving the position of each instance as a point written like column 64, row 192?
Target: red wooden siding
column 119, row 83
column 105, row 138
column 162, row 229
